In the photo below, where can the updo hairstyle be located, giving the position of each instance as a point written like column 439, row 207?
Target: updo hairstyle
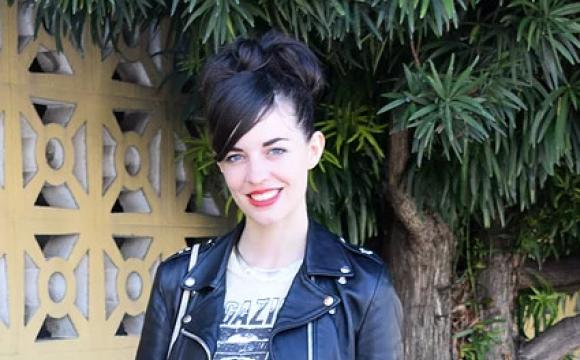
column 241, row 83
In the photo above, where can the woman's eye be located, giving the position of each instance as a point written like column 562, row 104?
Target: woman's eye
column 233, row 158
column 277, row 151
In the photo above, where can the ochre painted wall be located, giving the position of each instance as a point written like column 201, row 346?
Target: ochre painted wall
column 74, row 274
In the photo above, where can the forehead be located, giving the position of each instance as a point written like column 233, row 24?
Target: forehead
column 279, row 121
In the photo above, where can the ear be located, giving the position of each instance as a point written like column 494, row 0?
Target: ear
column 219, row 164
column 315, row 149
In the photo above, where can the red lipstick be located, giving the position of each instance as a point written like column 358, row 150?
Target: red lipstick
column 266, row 202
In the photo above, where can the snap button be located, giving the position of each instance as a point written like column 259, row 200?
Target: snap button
column 342, row 240
column 342, row 280
column 345, row 269
column 365, row 251
column 328, row 301
column 189, row 282
column 332, row 311
column 186, row 319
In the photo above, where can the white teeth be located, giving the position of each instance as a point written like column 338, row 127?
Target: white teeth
column 265, row 195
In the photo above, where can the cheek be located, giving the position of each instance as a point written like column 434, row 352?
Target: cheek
column 234, row 179
column 294, row 173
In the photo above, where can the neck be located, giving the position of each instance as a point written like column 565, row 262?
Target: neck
column 275, row 245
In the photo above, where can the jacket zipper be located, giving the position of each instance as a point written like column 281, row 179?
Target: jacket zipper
column 199, row 341
column 310, row 341
column 310, row 331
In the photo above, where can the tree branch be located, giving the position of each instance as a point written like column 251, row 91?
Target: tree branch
column 422, row 227
column 554, row 343
column 414, row 50
column 403, row 205
column 563, row 274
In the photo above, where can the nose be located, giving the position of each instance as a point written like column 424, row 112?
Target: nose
column 258, row 171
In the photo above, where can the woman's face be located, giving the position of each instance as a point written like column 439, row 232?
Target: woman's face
column 267, row 169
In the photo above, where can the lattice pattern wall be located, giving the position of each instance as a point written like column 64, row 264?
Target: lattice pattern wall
column 91, row 194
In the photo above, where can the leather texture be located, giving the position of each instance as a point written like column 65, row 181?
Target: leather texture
column 363, row 321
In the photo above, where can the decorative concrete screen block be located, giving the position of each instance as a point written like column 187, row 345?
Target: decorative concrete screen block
column 132, row 72
column 131, row 325
column 64, row 274
column 57, row 245
column 133, row 247
column 133, row 253
column 132, row 120
column 50, row 61
column 53, row 112
column 4, row 313
column 81, row 274
column 80, row 169
column 54, row 153
column 57, row 329
column 58, row 196
column 92, row 197
column 132, row 201
column 180, row 173
column 56, row 287
column 155, row 162
column 132, row 160
column 31, row 298
column 155, row 47
column 2, row 149
column 25, row 24
column 28, row 140
column 108, row 165
column 112, row 297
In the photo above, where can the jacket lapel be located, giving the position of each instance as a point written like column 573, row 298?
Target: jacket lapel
column 307, row 301
column 206, row 308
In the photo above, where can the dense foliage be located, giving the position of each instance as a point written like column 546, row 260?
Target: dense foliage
column 489, row 89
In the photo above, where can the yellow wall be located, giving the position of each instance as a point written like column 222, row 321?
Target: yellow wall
column 569, row 307
column 60, row 264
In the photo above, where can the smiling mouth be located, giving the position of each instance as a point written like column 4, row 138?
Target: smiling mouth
column 264, row 198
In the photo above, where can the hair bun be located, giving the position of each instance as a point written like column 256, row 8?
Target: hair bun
column 293, row 61
column 249, row 55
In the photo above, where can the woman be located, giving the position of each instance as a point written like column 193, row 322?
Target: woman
column 279, row 286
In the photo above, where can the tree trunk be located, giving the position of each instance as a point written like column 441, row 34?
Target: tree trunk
column 498, row 287
column 421, row 249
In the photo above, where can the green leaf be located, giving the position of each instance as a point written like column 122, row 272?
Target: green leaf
column 392, row 105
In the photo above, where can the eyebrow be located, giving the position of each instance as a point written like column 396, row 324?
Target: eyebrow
column 265, row 143
column 273, row 141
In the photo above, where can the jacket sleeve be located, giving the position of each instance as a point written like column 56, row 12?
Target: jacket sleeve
column 158, row 324
column 380, row 336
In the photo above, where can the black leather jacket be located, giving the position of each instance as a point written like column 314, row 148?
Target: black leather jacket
column 344, row 293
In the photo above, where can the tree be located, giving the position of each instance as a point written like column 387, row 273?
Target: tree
column 447, row 122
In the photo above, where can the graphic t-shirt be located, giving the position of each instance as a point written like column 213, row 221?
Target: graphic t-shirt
column 253, row 298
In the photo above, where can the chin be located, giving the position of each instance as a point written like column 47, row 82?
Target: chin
column 264, row 219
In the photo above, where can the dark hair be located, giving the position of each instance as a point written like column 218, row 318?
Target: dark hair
column 240, row 83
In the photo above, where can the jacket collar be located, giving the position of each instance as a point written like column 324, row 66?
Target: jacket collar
column 324, row 257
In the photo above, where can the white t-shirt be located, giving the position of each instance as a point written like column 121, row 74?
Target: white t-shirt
column 252, row 301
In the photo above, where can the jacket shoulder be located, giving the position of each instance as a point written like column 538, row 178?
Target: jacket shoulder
column 204, row 245
column 360, row 253
column 182, row 256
